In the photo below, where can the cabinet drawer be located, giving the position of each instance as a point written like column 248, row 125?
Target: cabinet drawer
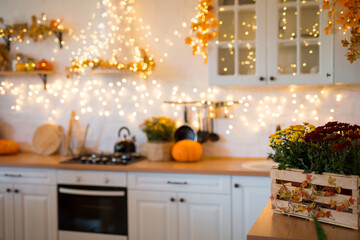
column 179, row 182
column 94, row 178
column 27, row 175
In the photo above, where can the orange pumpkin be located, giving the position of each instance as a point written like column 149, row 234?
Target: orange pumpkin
column 8, row 147
column 186, row 151
column 43, row 65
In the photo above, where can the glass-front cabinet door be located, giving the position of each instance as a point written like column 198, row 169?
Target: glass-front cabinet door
column 238, row 57
column 299, row 51
column 275, row 42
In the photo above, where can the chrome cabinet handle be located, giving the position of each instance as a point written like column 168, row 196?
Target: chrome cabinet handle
column 78, row 179
column 106, row 180
column 12, row 175
column 179, row 183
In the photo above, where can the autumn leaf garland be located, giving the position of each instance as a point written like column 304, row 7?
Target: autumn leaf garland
column 349, row 18
column 203, row 29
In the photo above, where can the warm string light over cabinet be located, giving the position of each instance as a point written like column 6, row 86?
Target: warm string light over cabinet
column 129, row 99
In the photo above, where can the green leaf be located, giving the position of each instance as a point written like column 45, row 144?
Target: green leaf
column 320, row 233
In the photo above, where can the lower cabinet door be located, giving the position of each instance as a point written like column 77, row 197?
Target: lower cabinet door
column 35, row 212
column 152, row 215
column 204, row 216
column 6, row 212
column 249, row 197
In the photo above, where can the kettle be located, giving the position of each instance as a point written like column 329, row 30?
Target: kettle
column 125, row 145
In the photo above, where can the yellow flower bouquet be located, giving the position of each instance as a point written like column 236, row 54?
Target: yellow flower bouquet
column 289, row 146
column 159, row 128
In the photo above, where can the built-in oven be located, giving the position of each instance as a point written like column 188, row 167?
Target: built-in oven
column 92, row 212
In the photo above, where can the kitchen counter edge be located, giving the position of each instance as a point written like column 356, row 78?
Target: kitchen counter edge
column 207, row 165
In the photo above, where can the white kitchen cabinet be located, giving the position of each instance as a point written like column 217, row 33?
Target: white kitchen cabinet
column 271, row 42
column 179, row 207
column 204, row 216
column 35, row 212
column 6, row 213
column 152, row 215
column 29, row 210
column 249, row 197
column 183, row 216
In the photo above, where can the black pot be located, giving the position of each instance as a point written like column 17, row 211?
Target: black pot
column 185, row 131
column 125, row 145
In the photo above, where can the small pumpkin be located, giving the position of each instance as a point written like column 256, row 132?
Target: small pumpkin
column 43, row 65
column 186, row 151
column 8, row 147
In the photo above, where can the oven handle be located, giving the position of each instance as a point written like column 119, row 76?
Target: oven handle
column 91, row 192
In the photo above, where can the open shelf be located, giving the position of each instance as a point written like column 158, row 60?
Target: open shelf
column 99, row 72
column 57, row 34
column 41, row 74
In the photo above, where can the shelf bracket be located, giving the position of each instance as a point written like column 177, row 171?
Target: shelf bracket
column 8, row 42
column 44, row 79
column 59, row 36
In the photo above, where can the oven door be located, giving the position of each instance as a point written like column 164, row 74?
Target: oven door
column 84, row 210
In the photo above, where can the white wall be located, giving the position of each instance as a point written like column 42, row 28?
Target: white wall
column 246, row 136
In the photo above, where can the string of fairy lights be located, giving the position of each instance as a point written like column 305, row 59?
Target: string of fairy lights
column 128, row 98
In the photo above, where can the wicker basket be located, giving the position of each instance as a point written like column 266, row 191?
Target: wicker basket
column 159, row 151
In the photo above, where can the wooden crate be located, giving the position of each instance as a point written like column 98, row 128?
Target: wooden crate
column 291, row 196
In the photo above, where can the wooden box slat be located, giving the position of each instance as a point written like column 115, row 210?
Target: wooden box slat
column 339, row 218
column 337, row 197
column 296, row 175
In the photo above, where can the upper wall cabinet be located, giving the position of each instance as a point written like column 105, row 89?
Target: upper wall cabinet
column 270, row 42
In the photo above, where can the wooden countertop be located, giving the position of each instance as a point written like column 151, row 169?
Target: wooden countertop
column 207, row 165
column 270, row 226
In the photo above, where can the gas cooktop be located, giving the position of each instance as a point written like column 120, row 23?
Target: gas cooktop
column 106, row 159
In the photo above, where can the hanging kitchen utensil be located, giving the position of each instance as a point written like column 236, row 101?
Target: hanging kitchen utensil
column 125, row 145
column 203, row 132
column 213, row 136
column 185, row 131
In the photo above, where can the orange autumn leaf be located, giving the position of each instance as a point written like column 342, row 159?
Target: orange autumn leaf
column 332, row 203
column 203, row 29
column 328, row 214
column 308, row 177
column 304, row 184
column 188, row 40
column 331, row 180
column 349, row 19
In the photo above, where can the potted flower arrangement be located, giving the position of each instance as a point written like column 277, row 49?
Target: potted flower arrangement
column 160, row 133
column 318, row 173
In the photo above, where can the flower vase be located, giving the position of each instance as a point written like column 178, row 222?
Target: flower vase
column 159, row 151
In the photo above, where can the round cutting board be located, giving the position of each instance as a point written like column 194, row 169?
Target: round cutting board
column 46, row 139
